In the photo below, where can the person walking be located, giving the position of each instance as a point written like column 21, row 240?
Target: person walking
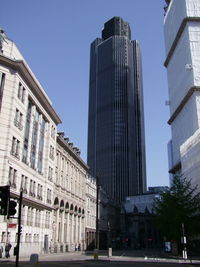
column 1, row 251
column 7, row 250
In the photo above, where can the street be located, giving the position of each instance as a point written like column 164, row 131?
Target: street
column 100, row 263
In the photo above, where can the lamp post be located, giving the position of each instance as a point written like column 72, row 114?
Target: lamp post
column 184, row 242
column 97, row 219
column 97, row 214
column 109, row 241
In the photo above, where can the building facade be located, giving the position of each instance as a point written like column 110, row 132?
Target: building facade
column 91, row 201
column 138, row 224
column 182, row 41
column 42, row 163
column 116, row 145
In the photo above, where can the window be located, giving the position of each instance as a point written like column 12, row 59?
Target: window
column 15, row 147
column 37, row 218
column 27, row 130
column 53, row 131
column 24, row 181
column 39, row 192
column 48, row 196
column 21, row 92
column 41, row 146
column 18, row 119
column 32, row 188
column 51, row 152
column 47, row 220
column 50, row 174
column 26, row 238
column 35, row 238
column 34, row 139
column 3, row 237
column 2, row 80
column 12, row 177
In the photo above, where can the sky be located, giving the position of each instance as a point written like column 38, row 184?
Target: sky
column 54, row 37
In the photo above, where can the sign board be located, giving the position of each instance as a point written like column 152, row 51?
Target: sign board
column 12, row 225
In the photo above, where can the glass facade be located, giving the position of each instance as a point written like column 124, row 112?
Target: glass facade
column 116, row 144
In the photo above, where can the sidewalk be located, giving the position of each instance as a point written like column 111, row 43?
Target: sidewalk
column 126, row 255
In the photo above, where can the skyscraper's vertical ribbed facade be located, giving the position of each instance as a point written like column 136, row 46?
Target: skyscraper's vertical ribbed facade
column 116, row 144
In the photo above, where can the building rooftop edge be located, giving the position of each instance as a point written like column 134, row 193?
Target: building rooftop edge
column 37, row 89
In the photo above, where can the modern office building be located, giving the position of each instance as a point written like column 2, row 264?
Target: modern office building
column 116, row 143
column 182, row 42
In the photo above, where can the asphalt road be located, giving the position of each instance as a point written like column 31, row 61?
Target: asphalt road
column 100, row 263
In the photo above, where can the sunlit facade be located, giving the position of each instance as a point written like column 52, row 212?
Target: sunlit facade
column 182, row 42
column 42, row 163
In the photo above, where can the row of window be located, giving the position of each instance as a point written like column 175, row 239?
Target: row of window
column 25, row 183
column 29, row 238
column 34, row 218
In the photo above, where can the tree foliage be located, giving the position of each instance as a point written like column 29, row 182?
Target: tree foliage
column 180, row 204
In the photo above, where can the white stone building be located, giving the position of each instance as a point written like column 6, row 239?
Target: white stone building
column 182, row 42
column 35, row 159
column 91, row 194
column 69, row 197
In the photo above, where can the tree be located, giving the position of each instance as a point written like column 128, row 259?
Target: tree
column 179, row 205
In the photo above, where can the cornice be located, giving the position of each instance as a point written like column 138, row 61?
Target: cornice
column 178, row 35
column 32, row 203
column 72, row 153
column 31, row 81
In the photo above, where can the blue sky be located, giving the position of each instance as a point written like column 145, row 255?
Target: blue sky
column 54, row 37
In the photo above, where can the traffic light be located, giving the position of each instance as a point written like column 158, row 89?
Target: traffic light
column 12, row 208
column 4, row 198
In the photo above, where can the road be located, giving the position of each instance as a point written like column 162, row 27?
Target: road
column 99, row 263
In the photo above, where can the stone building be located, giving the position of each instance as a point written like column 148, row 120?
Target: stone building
column 137, row 222
column 90, row 212
column 40, row 162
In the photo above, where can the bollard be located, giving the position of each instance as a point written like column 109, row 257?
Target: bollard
column 34, row 260
column 96, row 254
column 109, row 252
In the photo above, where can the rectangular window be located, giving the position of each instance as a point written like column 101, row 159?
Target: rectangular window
column 18, row 119
column 12, row 177
column 49, row 196
column 41, row 146
column 15, row 147
column 34, row 139
column 21, row 93
column 24, row 181
column 27, row 130
column 50, row 174
column 51, row 152
column 2, row 81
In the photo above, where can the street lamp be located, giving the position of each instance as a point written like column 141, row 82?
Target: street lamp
column 97, row 219
column 97, row 214
column 109, row 241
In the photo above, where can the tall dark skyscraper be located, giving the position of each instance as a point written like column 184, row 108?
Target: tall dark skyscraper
column 116, row 143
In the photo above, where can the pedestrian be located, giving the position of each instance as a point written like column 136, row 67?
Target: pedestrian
column 7, row 249
column 1, row 251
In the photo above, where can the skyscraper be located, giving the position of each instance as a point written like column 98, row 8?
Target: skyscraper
column 116, row 143
column 182, row 42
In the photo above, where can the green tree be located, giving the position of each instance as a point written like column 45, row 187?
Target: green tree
column 180, row 204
